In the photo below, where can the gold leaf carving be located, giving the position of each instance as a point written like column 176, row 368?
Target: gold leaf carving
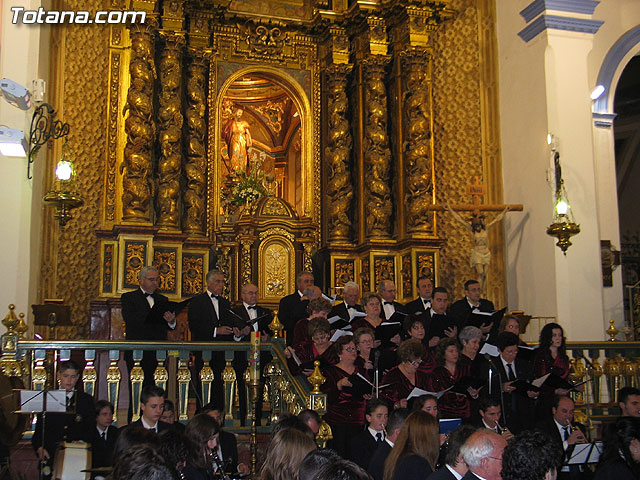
column 276, row 265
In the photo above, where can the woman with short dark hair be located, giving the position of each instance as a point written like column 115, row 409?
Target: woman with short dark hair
column 406, row 375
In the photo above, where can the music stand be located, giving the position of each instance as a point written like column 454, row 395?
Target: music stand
column 52, row 315
column 41, row 401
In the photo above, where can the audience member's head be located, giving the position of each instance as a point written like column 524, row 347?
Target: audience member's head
column 396, row 421
column 142, row 462
column 169, row 412
column 290, row 421
column 629, row 401
column 531, row 455
column 419, row 436
column 203, row 433
column 131, row 436
column 285, row 453
column 341, row 470
column 314, row 461
column 311, row 419
column 622, row 444
column 174, row 448
column 455, row 441
column 482, row 452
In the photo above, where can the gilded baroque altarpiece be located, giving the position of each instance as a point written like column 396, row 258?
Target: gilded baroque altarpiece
column 349, row 117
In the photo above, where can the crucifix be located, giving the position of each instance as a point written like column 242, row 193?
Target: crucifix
column 480, row 255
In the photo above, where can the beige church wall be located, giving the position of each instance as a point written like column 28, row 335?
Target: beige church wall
column 21, row 61
column 544, row 87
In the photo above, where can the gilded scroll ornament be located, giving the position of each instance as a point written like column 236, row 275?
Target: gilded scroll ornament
column 196, row 161
column 139, row 125
column 170, row 132
column 266, row 40
column 192, row 274
column 338, row 155
column 343, row 272
column 135, row 259
column 377, row 156
column 273, row 112
column 276, row 267
column 165, row 260
column 417, row 142
column 246, row 261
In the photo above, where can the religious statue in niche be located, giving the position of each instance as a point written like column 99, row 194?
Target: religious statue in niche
column 237, row 136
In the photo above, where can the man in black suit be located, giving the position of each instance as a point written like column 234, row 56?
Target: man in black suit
column 462, row 309
column 454, row 466
column 437, row 323
column 530, row 455
column 565, row 433
column 104, row 436
column 210, row 320
column 423, row 302
column 350, row 305
column 227, row 445
column 76, row 424
column 391, row 310
column 482, row 452
column 249, row 317
column 141, row 323
column 292, row 307
column 507, row 369
column 363, row 445
column 151, row 408
column 396, row 420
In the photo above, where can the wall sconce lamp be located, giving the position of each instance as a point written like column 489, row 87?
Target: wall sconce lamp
column 63, row 197
column 563, row 226
column 44, row 127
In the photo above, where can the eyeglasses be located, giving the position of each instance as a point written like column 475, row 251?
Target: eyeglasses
column 416, row 363
column 495, row 458
column 365, row 342
column 350, row 349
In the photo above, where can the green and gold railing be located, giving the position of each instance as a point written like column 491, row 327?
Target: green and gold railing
column 105, row 372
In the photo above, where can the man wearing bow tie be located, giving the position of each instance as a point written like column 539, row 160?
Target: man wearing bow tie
column 350, row 305
column 210, row 320
column 141, row 323
column 390, row 308
column 249, row 317
column 472, row 302
column 423, row 302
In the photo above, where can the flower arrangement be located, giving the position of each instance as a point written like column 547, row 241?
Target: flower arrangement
column 247, row 187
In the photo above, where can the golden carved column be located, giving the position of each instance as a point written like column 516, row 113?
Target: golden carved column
column 417, row 150
column 373, row 153
column 194, row 198
column 337, row 153
column 245, row 261
column 139, row 126
column 378, row 204
column 170, row 116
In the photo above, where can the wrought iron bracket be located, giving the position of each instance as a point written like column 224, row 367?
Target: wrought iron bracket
column 44, row 127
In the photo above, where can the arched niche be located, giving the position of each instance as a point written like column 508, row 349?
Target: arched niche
column 289, row 152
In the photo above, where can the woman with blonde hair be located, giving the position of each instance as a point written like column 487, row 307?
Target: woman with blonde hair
column 415, row 452
column 286, row 451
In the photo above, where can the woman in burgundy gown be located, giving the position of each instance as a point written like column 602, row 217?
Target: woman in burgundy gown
column 345, row 408
column 318, row 348
column 550, row 357
column 449, row 373
column 317, row 308
column 406, row 376
column 414, row 328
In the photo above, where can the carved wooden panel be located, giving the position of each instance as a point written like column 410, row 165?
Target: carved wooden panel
column 276, row 269
column 193, row 273
column 165, row 259
column 108, row 262
column 135, row 254
column 384, row 268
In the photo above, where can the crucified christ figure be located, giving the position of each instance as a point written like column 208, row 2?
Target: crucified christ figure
column 480, row 255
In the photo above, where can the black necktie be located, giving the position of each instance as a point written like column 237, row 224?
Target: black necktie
column 510, row 375
column 104, row 436
column 378, row 438
column 566, row 433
